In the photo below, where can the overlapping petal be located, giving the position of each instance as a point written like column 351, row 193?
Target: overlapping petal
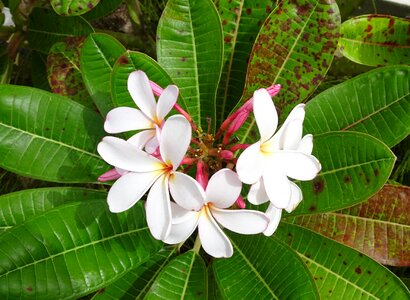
column 306, row 144
column 213, row 239
column 128, row 189
column 277, row 187
column 141, row 92
column 166, row 101
column 274, row 214
column 242, row 221
column 250, row 164
column 183, row 224
column 122, row 119
column 175, row 139
column 257, row 193
column 158, row 209
column 186, row 191
column 295, row 199
column 127, row 156
column 265, row 114
column 141, row 139
column 299, row 165
column 223, row 188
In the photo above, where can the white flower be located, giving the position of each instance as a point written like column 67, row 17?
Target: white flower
column 150, row 115
column 199, row 208
column 268, row 163
column 146, row 171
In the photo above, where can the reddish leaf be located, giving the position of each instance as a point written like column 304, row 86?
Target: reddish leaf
column 379, row 227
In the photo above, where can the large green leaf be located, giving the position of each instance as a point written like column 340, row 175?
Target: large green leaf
column 241, row 22
column 46, row 28
column 48, row 137
column 17, row 207
column 185, row 277
column 354, row 167
column 347, row 7
column 136, row 283
column 294, row 48
column 190, row 49
column 72, row 250
column 377, row 103
column 379, row 227
column 128, row 63
column 339, row 271
column 64, row 74
column 73, row 7
column 263, row 268
column 98, row 55
column 375, row 40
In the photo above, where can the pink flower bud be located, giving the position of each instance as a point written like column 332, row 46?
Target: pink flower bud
column 226, row 154
column 110, row 175
column 240, row 202
column 202, row 173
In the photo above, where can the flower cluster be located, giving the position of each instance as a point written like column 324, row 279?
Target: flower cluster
column 160, row 157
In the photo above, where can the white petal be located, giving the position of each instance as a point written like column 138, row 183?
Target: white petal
column 141, row 138
column 298, row 165
column 265, row 114
column 213, row 239
column 152, row 145
column 180, row 214
column 141, row 93
column 182, row 229
column 250, row 164
column 277, row 187
column 306, row 144
column 295, row 199
column 297, row 113
column 186, row 191
column 128, row 189
column 257, row 193
column 292, row 135
column 122, row 119
column 175, row 139
column 274, row 215
column 166, row 101
column 158, row 209
column 125, row 155
column 242, row 221
column 223, row 188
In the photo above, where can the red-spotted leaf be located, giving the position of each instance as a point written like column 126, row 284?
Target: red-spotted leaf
column 376, row 40
column 73, row 7
column 339, row 271
column 63, row 70
column 241, row 22
column 294, row 48
column 379, row 227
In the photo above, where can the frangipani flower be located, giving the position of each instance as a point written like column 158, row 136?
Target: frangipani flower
column 203, row 209
column 148, row 172
column 268, row 163
column 150, row 115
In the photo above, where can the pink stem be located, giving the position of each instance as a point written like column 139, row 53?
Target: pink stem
column 239, row 147
column 202, row 173
column 186, row 115
column 110, row 175
column 156, row 88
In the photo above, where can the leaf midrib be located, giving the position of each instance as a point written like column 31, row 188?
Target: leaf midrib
column 50, row 140
column 74, row 249
column 255, row 271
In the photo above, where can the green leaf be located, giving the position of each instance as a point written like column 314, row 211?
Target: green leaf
column 375, row 40
column 17, row 207
column 241, row 21
column 339, row 271
column 73, row 7
column 63, row 68
column 102, row 9
column 263, row 268
column 294, row 48
column 48, row 137
column 128, row 63
column 73, row 250
column 354, row 167
column 189, row 47
column 377, row 103
column 98, row 55
column 46, row 28
column 347, row 7
column 379, row 227
column 136, row 283
column 185, row 277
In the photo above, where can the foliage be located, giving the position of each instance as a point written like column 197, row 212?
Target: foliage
column 60, row 241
